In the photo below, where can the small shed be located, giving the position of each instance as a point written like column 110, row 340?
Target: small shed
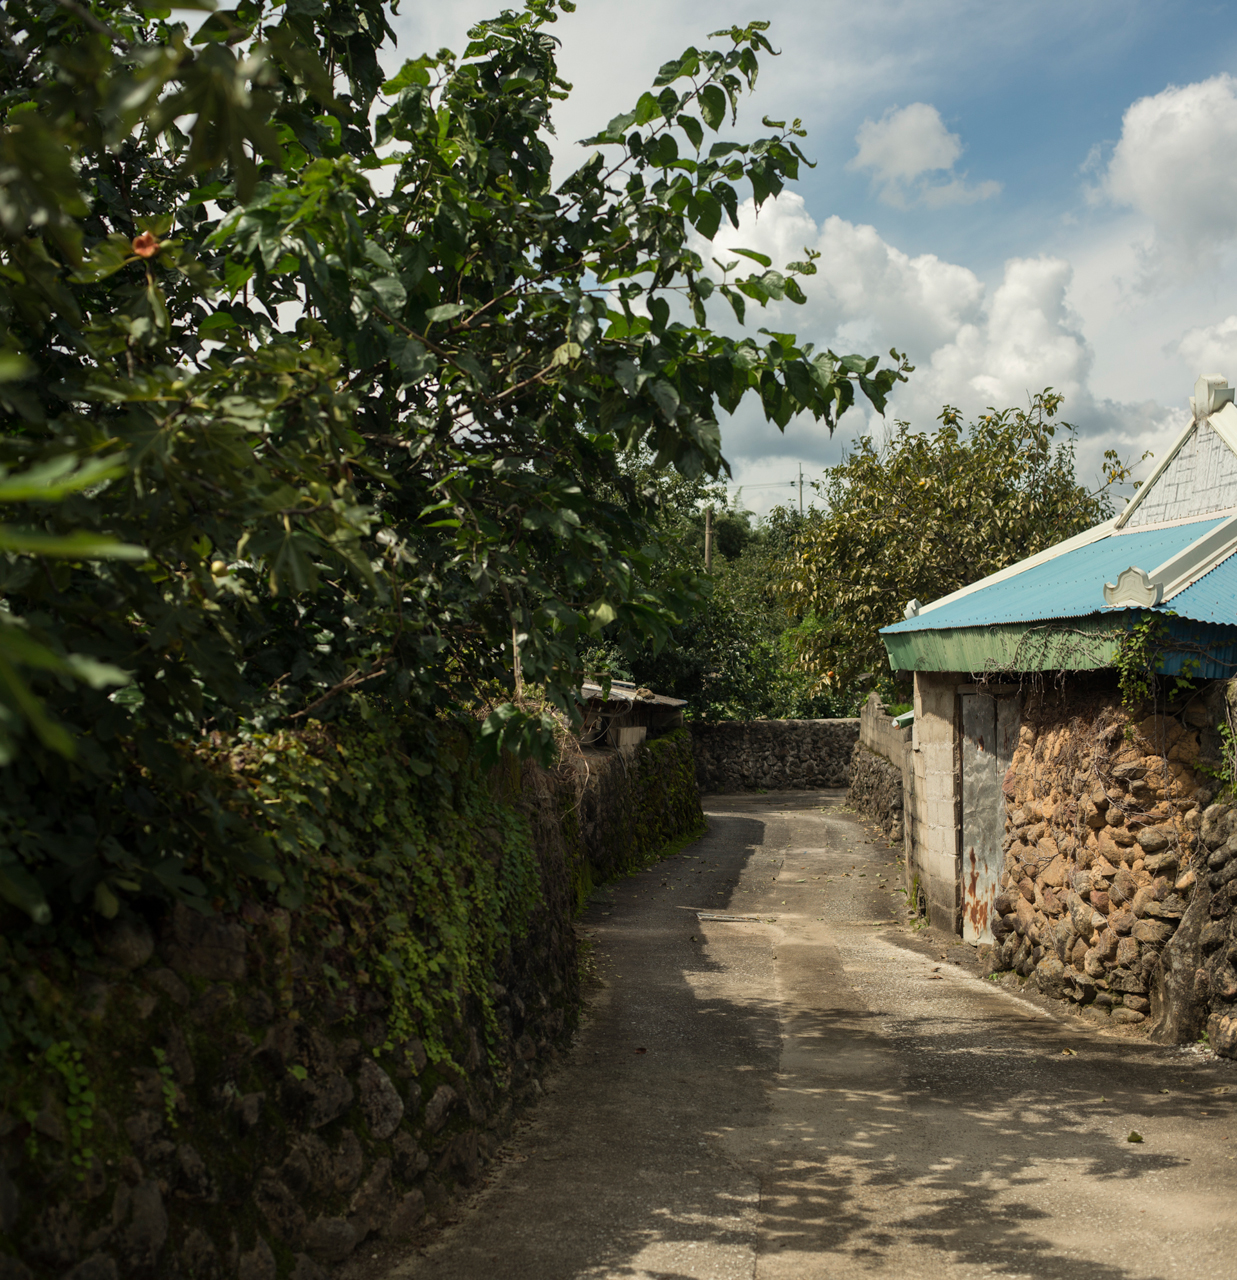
column 1171, row 553
column 628, row 715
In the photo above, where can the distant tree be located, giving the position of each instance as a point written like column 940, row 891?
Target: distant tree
column 732, row 655
column 924, row 514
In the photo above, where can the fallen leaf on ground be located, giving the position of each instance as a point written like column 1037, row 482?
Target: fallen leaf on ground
column 1135, row 1136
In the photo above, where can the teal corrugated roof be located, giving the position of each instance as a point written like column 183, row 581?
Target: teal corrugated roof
column 1213, row 598
column 1072, row 584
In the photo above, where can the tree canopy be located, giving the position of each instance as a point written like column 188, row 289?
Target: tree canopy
column 923, row 514
column 314, row 391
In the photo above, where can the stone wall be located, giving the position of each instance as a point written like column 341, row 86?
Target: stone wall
column 878, row 786
column 1120, row 878
column 257, row 1115
column 876, row 791
column 879, row 733
column 773, row 755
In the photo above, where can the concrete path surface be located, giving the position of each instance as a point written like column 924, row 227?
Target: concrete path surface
column 831, row 1095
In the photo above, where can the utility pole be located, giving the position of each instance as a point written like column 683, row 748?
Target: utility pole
column 708, row 539
column 801, row 489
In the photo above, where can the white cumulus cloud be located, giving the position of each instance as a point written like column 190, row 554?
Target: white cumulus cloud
column 1211, row 348
column 972, row 346
column 1176, row 163
column 911, row 155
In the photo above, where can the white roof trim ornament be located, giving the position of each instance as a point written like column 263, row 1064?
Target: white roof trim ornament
column 1133, row 587
column 1143, row 590
column 1212, row 401
column 1211, row 391
column 912, row 609
column 1200, row 557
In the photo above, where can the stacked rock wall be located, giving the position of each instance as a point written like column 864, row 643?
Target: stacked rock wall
column 773, row 755
column 877, row 784
column 876, row 790
column 1113, row 857
column 236, row 1105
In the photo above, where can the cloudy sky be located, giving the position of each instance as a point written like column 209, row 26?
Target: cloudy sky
column 1016, row 195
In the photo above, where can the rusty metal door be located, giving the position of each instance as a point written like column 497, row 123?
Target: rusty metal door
column 989, row 736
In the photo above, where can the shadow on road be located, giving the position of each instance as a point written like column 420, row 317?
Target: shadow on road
column 702, row 1119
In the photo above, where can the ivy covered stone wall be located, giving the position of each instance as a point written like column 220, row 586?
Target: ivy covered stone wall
column 1120, row 883
column 257, row 1092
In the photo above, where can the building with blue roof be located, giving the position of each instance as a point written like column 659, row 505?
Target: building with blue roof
column 1171, row 553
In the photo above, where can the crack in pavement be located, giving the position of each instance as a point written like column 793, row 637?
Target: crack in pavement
column 826, row 1095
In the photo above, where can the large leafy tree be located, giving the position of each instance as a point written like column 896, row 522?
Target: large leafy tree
column 315, row 389
column 923, row 514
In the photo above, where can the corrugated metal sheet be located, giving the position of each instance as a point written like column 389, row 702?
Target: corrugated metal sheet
column 1072, row 585
column 1213, row 598
column 1072, row 644
column 1084, row 644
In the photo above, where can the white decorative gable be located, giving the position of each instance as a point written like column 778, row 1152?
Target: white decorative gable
column 1198, row 475
column 1200, row 479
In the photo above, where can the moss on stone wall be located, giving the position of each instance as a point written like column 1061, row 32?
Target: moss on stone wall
column 628, row 806
column 257, row 1091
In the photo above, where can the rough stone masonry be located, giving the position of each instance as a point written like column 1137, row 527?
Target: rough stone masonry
column 773, row 755
column 1120, row 876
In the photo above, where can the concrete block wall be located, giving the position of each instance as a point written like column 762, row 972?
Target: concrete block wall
column 878, row 732
column 933, row 805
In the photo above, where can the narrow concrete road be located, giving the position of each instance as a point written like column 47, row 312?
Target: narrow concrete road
column 830, row 1095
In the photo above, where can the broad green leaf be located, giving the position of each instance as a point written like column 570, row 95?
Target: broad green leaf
column 74, row 546
column 445, row 311
column 713, row 106
column 413, row 362
column 14, row 366
column 19, row 888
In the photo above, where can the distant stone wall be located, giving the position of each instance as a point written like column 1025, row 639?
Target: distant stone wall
column 878, row 732
column 773, row 755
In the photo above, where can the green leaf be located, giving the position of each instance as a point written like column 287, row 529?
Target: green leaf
column 74, row 546
column 413, row 362
column 106, row 903
column 14, row 366
column 763, row 259
column 667, row 398
column 692, row 127
column 19, row 888
column 445, row 311
column 713, row 106
column 648, row 108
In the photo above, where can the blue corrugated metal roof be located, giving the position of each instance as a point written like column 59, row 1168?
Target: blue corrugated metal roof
column 1072, row 585
column 1213, row 598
